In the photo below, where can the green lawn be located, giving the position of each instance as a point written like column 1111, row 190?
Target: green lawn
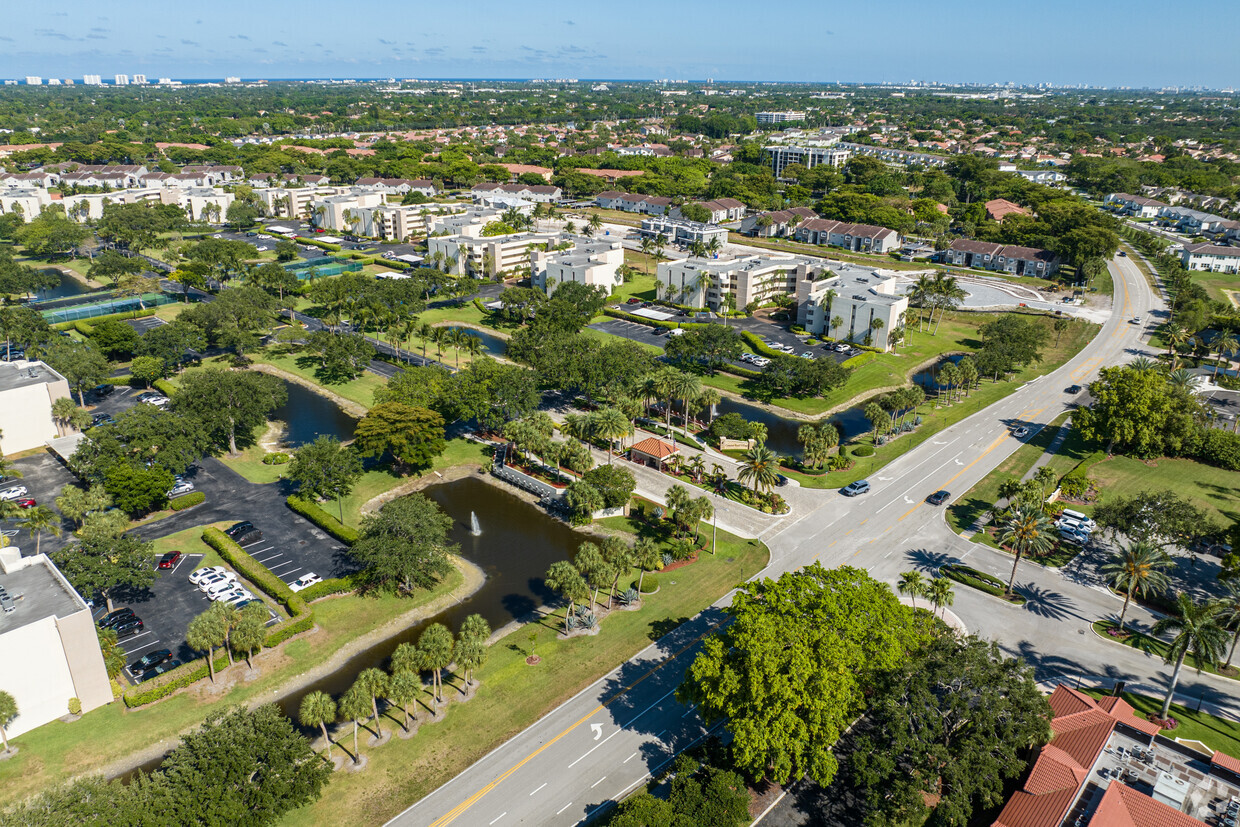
column 57, row 751
column 1213, row 489
column 249, row 463
column 513, row 695
column 1217, row 733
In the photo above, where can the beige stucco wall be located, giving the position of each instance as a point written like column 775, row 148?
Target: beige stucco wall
column 81, row 650
column 26, row 416
column 36, row 674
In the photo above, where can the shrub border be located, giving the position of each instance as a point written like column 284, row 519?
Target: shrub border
column 188, row 501
column 322, row 519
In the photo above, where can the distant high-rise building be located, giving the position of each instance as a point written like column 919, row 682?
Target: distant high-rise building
column 34, row 80
column 120, row 80
column 92, row 80
column 232, row 80
column 139, row 79
column 53, row 81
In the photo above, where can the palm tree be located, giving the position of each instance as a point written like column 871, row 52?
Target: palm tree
column 646, row 245
column 1198, row 632
column 817, row 440
column 403, row 687
column 836, row 321
column 1144, row 364
column 1182, row 380
column 611, row 424
column 920, row 295
column 472, row 345
column 1136, row 570
column 8, row 711
column 912, row 584
column 1229, row 615
column 1224, row 345
column 665, row 382
column 317, row 709
column 759, row 468
column 875, row 326
column 1045, row 476
column 686, row 388
column 595, row 223
column 40, row 519
column 1027, row 531
column 374, row 682
column 425, row 332
column 354, row 706
column 435, row 647
column 1177, row 337
column 940, row 593
column 710, row 398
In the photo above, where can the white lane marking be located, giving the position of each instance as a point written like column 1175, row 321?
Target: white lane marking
column 689, row 711
column 920, row 481
column 565, row 807
column 630, row 758
column 597, row 729
column 621, row 729
column 540, row 787
column 592, row 786
column 498, row 817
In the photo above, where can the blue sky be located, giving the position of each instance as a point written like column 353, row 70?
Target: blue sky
column 1107, row 42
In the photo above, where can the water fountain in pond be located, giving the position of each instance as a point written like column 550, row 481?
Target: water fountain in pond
column 474, row 528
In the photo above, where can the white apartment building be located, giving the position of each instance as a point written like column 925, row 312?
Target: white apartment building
column 399, row 186
column 26, row 202
column 859, row 238
column 807, row 156
column 294, row 202
column 590, row 261
column 92, row 80
column 394, row 222
column 48, row 643
column 850, row 303
column 34, row 80
column 27, row 391
column 120, row 80
column 539, row 194
column 140, row 80
column 681, row 231
column 707, row 283
column 351, row 213
column 1211, row 258
column 779, row 117
column 471, row 253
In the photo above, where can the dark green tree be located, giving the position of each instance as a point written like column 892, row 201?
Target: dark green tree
column 326, row 470
column 405, row 545
column 230, row 403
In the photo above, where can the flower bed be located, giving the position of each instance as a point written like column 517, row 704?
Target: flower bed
column 982, row 582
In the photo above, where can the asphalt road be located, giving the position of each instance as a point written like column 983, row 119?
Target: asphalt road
column 604, row 742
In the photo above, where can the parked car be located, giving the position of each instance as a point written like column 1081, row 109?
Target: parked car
column 305, row 582
column 1135, row 320
column 128, row 628
column 244, row 533
column 170, row 560
column 842, row 348
column 238, row 529
column 150, row 660
column 112, row 618
column 180, row 488
column 236, row 597
column 807, row 355
column 1123, row 254
column 219, row 587
column 1021, row 432
column 101, row 419
column 163, row 668
column 104, row 390
column 211, row 581
column 1076, row 538
column 14, row 492
column 855, row 488
column 25, row 502
column 1069, row 514
column 1067, row 524
column 201, row 574
column 938, row 497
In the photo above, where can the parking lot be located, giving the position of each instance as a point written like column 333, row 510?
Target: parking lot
column 144, row 324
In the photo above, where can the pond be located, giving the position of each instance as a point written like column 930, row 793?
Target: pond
column 68, row 286
column 781, row 432
column 517, row 544
column 491, row 345
column 307, row 414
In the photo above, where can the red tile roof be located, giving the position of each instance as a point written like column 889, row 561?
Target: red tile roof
column 656, row 448
column 1001, row 208
column 1122, row 806
column 1226, row 762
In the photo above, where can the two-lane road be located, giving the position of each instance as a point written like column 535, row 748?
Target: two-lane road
column 604, row 742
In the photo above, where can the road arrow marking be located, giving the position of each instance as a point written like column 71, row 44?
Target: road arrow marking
column 598, row 730
column 958, row 462
column 907, row 500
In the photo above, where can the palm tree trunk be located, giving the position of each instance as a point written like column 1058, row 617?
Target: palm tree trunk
column 567, row 614
column 327, row 738
column 1011, row 580
column 210, row 658
column 641, row 573
column 1175, row 678
column 356, row 754
column 406, row 708
column 374, row 705
column 1124, row 611
column 1234, row 640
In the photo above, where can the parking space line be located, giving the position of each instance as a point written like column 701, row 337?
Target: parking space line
column 288, row 574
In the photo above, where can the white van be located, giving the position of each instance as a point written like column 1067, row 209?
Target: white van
column 680, row 331
column 1078, row 517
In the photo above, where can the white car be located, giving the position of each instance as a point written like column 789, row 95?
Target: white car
column 207, row 571
column 747, row 357
column 761, row 361
column 15, row 492
column 1076, row 538
column 224, row 585
column 180, row 488
column 215, row 579
column 305, row 582
column 234, row 595
column 842, row 348
column 263, row 235
column 1066, row 524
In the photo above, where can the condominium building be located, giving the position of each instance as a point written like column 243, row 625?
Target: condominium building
column 707, row 283
column 1008, row 258
column 395, row 222
column 538, row 193
column 628, row 202
column 681, row 231
column 92, row 80
column 294, row 202
column 471, row 253
column 351, row 213
column 1137, row 205
column 897, row 156
column 859, row 238
column 27, row 391
column 594, row 262
column 779, row 117
column 34, row 80
column 782, row 156
column 1211, row 258
column 120, row 80
column 47, row 643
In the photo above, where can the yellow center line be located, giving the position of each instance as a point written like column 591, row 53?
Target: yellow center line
column 998, row 441
column 455, row 812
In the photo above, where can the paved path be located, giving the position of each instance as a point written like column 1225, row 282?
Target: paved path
column 602, row 744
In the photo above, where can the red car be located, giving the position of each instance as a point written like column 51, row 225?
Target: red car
column 170, row 560
column 25, row 502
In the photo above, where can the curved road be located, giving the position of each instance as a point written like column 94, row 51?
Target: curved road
column 604, row 742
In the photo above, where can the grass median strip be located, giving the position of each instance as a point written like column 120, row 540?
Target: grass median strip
column 1211, row 730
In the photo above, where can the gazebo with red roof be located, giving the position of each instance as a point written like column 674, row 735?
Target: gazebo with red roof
column 653, row 452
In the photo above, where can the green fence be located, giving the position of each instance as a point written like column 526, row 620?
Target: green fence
column 105, row 308
column 322, row 266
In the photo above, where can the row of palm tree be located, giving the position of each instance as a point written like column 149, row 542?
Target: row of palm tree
column 435, row 651
column 941, row 292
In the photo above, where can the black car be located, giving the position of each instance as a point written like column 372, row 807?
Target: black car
column 239, row 529
column 104, row 390
column 112, row 618
column 150, row 661
column 101, row 419
column 1073, row 389
column 159, row 670
column 938, row 497
column 128, row 627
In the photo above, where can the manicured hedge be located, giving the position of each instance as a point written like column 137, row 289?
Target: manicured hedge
column 165, row 387
column 333, row 585
column 166, row 684
column 481, row 307
column 254, row 571
column 322, row 245
column 863, row 451
column 83, row 327
column 277, row 458
column 980, row 580
column 650, row 583
column 629, row 317
column 322, row 519
column 859, row 360
column 118, row 380
column 188, row 501
column 760, row 346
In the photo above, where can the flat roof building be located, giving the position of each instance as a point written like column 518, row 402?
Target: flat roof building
column 27, row 391
column 47, row 643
